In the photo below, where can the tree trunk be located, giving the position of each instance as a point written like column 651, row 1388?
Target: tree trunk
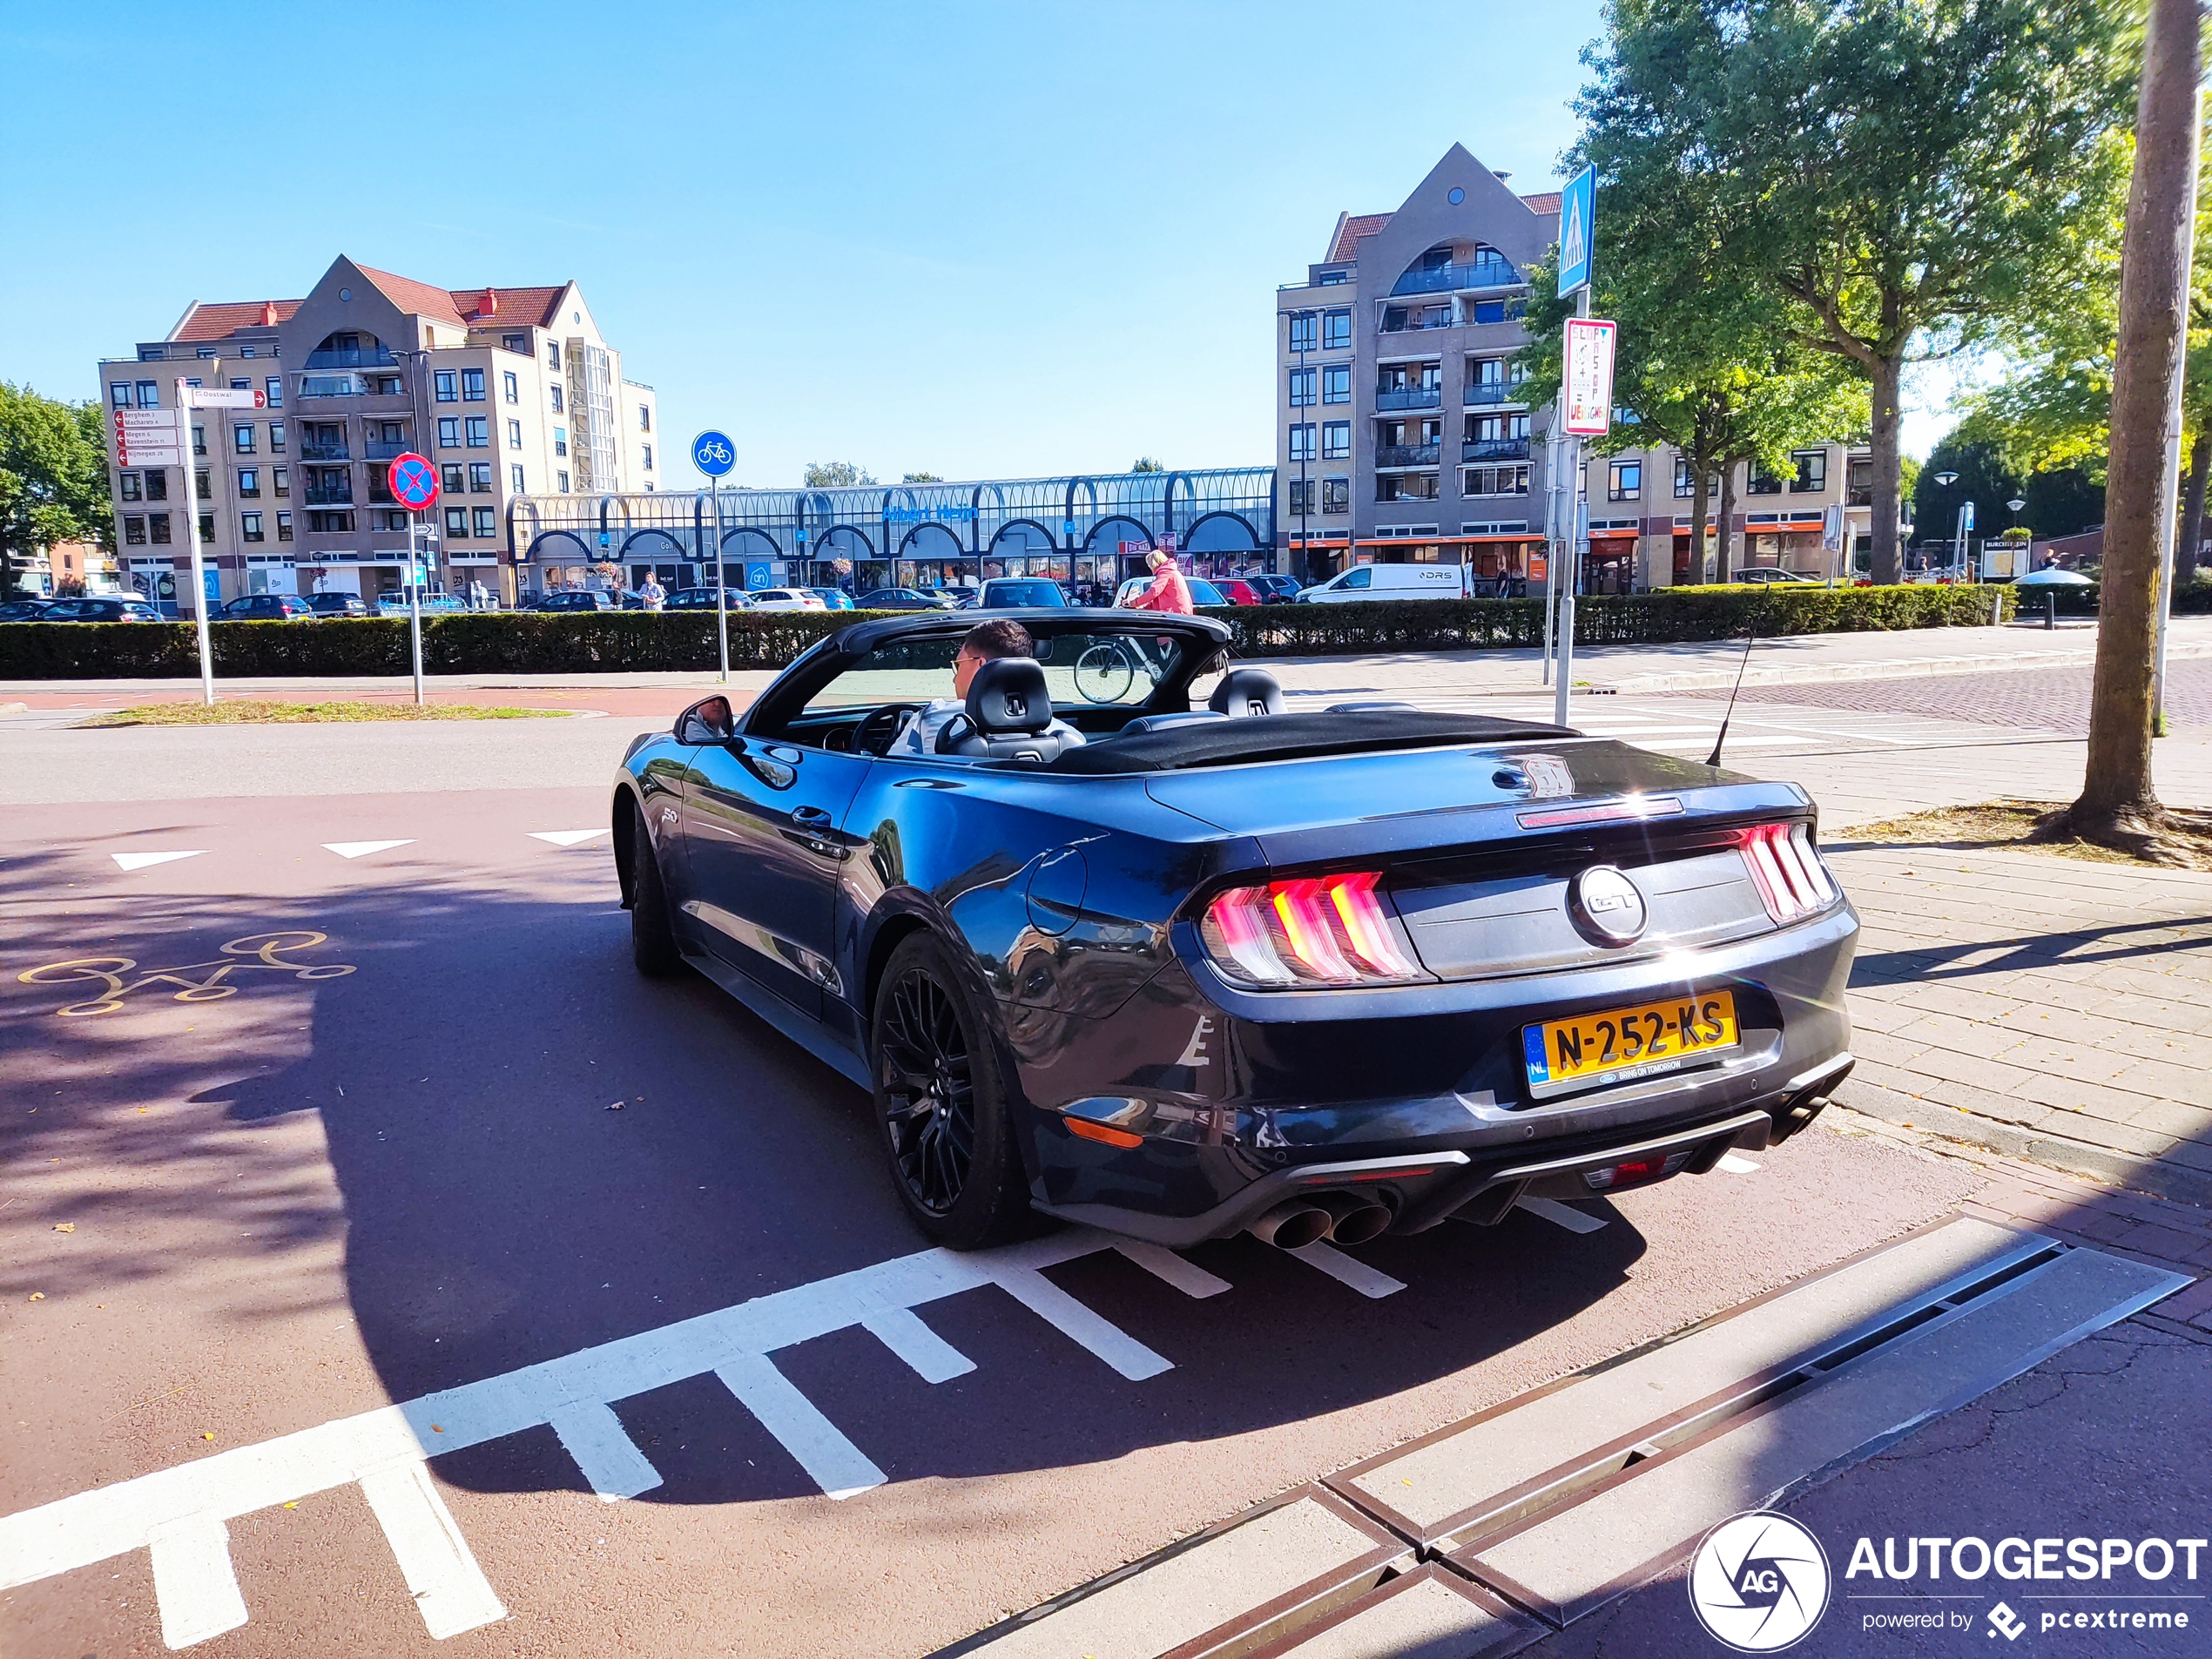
column 1700, row 513
column 1888, row 562
column 1728, row 520
column 2185, row 550
column 2117, row 801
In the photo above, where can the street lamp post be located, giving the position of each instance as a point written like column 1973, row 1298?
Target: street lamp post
column 1944, row 480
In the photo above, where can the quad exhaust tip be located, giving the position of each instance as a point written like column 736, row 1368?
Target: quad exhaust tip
column 1338, row 1217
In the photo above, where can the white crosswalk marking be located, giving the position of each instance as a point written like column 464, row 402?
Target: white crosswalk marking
column 193, row 1580
column 1369, row 1282
column 1560, row 1215
column 449, row 1589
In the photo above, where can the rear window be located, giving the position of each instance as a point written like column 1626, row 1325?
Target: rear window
column 1024, row 593
column 1081, row 671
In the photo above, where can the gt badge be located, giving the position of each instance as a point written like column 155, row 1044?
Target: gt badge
column 1606, row 905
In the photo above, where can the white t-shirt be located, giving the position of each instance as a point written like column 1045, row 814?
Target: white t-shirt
column 919, row 736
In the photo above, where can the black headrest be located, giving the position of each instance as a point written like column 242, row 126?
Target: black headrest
column 1245, row 692
column 1008, row 694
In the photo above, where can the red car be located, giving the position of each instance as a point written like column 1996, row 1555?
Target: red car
column 1238, row 591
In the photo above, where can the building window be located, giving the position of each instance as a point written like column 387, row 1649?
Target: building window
column 200, row 440
column 1336, row 383
column 118, row 394
column 450, row 433
column 245, row 351
column 553, row 354
column 283, row 527
column 205, row 352
column 208, row 530
column 249, row 527
column 200, row 484
column 442, row 383
column 449, row 477
column 1760, row 481
column 249, row 482
column 514, row 342
column 472, row 386
column 1812, row 471
column 134, row 530
column 1336, row 495
column 242, row 439
column 280, row 481
column 645, row 417
column 1335, row 279
column 1495, row 481
column 1496, row 310
column 1306, row 331
column 1336, row 331
column 1626, row 483
column 480, row 477
column 1302, row 441
column 555, row 391
column 457, row 524
column 561, row 482
column 478, row 432
column 560, row 440
column 158, row 528
column 389, row 521
column 1301, row 388
column 1336, row 440
column 1301, row 497
column 152, row 354
column 241, row 386
column 156, row 484
column 127, row 486
column 276, row 437
column 273, row 391
column 513, row 435
column 1860, row 478
column 649, row 457
column 149, row 395
column 511, row 387
column 487, row 523
column 515, row 478
column 327, row 523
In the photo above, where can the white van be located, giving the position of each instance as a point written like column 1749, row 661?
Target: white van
column 1391, row 582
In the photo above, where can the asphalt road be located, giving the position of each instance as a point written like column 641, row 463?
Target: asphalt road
column 292, row 1194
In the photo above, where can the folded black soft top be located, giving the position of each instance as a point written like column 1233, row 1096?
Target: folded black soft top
column 1292, row 737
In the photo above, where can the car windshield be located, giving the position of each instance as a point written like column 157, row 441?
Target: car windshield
column 1081, row 671
column 1024, row 593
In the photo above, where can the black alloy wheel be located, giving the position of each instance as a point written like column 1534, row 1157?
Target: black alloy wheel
column 942, row 1107
column 652, row 935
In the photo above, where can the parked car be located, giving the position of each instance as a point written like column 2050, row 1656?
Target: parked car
column 337, row 604
column 1021, row 593
column 964, row 595
column 1273, row 589
column 787, row 599
column 25, row 610
column 702, row 599
column 1238, row 590
column 1295, row 920
column 1203, row 592
column 901, row 599
column 832, row 598
column 126, row 609
column 573, row 599
column 1390, row 582
column 1767, row 577
column 267, row 607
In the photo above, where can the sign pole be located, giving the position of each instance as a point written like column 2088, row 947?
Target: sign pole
column 191, row 531
column 1570, row 565
column 414, row 604
column 721, row 581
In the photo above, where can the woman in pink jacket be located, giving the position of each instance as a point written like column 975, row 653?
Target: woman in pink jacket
column 1168, row 590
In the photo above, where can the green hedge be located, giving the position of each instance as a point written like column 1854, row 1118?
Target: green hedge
column 594, row 642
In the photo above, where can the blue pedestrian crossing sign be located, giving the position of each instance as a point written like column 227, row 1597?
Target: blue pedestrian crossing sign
column 713, row 454
column 1577, row 226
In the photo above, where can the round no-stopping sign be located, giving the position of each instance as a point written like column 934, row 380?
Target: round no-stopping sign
column 414, row 481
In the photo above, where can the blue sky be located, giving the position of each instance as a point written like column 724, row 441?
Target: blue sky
column 975, row 240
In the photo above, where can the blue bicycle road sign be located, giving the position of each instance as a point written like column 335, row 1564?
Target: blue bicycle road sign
column 713, row 454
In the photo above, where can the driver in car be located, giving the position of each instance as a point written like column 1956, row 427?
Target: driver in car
column 984, row 643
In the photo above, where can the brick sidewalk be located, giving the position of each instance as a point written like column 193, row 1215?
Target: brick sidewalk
column 2049, row 1008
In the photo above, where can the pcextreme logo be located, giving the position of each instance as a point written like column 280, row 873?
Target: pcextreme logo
column 1760, row 1583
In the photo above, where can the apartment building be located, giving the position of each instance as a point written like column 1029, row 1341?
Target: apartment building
column 1404, row 432
column 510, row 392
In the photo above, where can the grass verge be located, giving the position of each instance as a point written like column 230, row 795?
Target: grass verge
column 2186, row 843
column 253, row 711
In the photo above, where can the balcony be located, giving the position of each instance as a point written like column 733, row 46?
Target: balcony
column 1489, row 391
column 1400, row 322
column 353, row 357
column 382, row 449
column 1495, row 449
column 1452, row 278
column 1408, row 454
column 338, row 492
column 323, row 449
column 1411, row 397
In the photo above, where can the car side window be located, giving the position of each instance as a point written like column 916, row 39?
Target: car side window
column 1362, row 578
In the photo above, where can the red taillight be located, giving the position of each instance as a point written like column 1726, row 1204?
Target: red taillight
column 1317, row 930
column 1787, row 869
column 1636, row 1172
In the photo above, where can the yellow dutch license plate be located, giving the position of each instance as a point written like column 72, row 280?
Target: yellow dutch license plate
column 1620, row 1044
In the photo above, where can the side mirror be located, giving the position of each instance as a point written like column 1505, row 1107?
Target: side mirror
column 709, row 721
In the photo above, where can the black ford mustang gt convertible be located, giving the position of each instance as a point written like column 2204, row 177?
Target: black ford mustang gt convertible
column 1181, row 972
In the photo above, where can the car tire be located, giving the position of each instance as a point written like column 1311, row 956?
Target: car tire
column 953, row 1159
column 652, row 936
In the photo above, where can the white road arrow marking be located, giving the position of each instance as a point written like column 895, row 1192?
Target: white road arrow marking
column 564, row 838
column 148, row 860
column 358, row 849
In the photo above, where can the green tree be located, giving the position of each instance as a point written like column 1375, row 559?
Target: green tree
column 53, row 478
column 1907, row 177
column 922, row 478
column 1145, row 463
column 835, row 475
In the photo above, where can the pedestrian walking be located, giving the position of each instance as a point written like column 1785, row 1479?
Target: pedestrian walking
column 652, row 594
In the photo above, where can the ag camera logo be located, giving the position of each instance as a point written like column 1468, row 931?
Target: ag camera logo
column 1758, row 1582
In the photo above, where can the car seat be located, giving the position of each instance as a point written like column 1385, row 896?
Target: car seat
column 1247, row 691
column 1008, row 716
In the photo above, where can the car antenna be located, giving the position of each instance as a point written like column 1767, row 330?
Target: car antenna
column 1751, row 633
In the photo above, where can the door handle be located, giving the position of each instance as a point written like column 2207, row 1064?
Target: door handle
column 811, row 818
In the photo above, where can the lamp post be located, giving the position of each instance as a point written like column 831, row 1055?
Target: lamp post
column 1944, row 480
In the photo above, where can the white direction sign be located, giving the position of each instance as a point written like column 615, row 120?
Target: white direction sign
column 225, row 397
column 1587, row 396
column 148, row 438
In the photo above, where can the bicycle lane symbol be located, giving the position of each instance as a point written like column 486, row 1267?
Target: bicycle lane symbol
column 112, row 974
